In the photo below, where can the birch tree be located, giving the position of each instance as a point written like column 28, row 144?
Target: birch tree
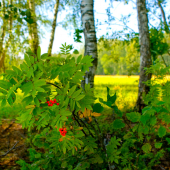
column 33, row 28
column 87, row 17
column 164, row 17
column 145, row 53
column 2, row 56
column 53, row 28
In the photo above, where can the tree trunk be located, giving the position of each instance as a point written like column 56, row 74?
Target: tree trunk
column 145, row 53
column 10, row 23
column 33, row 29
column 87, row 17
column 53, row 28
column 164, row 18
column 2, row 56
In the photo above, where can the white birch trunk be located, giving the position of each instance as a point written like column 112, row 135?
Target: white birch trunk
column 145, row 53
column 53, row 28
column 87, row 17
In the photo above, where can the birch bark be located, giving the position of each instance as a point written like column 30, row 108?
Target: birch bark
column 87, row 17
column 145, row 53
column 53, row 28
column 33, row 29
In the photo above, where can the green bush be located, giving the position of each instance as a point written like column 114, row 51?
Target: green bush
column 136, row 142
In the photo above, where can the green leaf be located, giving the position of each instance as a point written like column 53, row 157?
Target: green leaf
column 144, row 118
column 118, row 124
column 76, row 51
column 64, row 149
column 72, row 104
column 10, row 100
column 161, row 131
column 153, row 120
column 146, row 148
column 27, row 60
column 26, row 88
column 39, row 52
column 34, row 93
column 27, row 100
column 3, row 91
column 80, row 97
column 36, row 102
column 168, row 140
column 38, row 155
column 40, row 82
column 64, row 112
column 160, row 103
column 39, row 89
column 44, row 56
column 76, row 93
column 79, row 59
column 158, row 145
column 71, row 91
column 35, row 67
column 40, row 66
column 17, row 70
column 11, row 72
column 42, row 96
column 77, row 103
column 66, row 89
column 5, row 85
column 112, row 98
column 31, row 59
column 64, row 164
column 133, row 116
column 3, row 103
column 98, row 108
column 117, row 111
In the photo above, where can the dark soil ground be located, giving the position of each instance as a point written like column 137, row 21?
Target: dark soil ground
column 12, row 145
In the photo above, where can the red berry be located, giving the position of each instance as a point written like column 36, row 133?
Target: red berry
column 57, row 103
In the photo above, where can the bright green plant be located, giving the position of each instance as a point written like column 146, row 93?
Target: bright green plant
column 140, row 141
column 59, row 116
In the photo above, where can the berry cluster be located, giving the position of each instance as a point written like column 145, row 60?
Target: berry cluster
column 51, row 102
column 63, row 131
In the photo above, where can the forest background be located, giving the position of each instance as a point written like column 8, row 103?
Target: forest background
column 118, row 48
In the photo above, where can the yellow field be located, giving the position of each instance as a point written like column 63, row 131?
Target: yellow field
column 126, row 88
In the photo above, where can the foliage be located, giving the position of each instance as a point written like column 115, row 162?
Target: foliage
column 137, row 142
column 118, row 57
column 158, row 44
column 143, row 143
column 18, row 14
column 34, row 78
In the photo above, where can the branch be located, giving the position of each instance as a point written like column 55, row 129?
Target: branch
column 10, row 149
column 164, row 61
column 86, row 127
column 53, row 85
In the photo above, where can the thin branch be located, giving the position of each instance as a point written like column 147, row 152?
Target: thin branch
column 53, row 85
column 79, row 124
column 10, row 149
column 86, row 127
column 164, row 61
